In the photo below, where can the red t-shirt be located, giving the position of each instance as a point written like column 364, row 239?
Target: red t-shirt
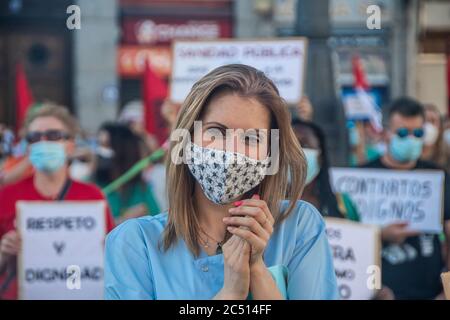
column 25, row 190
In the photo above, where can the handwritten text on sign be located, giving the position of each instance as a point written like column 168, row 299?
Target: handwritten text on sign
column 283, row 61
column 385, row 196
column 356, row 258
column 62, row 249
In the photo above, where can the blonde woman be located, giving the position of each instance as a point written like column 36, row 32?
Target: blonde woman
column 227, row 223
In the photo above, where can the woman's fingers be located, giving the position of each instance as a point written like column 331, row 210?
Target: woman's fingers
column 256, row 213
column 253, row 202
column 256, row 242
column 255, row 208
column 250, row 223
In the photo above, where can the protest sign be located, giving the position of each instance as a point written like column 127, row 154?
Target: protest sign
column 354, row 106
column 62, row 249
column 385, row 196
column 356, row 258
column 282, row 60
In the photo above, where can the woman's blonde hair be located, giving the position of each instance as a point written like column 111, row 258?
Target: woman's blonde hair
column 246, row 82
column 439, row 155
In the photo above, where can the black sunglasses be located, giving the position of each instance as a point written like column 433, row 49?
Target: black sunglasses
column 50, row 135
column 404, row 132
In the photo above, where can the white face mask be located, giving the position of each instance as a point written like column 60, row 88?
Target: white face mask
column 224, row 176
column 431, row 134
column 80, row 171
column 105, row 152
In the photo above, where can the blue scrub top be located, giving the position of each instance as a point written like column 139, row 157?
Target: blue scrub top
column 136, row 267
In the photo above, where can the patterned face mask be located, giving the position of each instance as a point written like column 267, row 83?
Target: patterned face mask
column 223, row 175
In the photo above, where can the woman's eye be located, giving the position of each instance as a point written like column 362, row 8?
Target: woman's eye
column 215, row 132
column 251, row 140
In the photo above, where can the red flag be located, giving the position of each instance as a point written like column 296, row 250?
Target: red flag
column 24, row 98
column 366, row 102
column 358, row 73
column 154, row 93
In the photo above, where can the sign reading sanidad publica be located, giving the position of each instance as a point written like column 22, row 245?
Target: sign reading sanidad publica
column 62, row 249
column 385, row 196
column 282, row 60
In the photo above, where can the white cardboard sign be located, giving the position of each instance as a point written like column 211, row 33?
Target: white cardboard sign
column 62, row 249
column 282, row 60
column 356, row 258
column 385, row 196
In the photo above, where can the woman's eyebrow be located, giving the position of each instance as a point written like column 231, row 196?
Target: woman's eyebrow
column 216, row 123
column 259, row 132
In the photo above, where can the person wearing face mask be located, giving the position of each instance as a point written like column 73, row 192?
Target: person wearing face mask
column 118, row 150
column 49, row 133
column 228, row 233
column 412, row 261
column 433, row 140
column 318, row 187
column 82, row 162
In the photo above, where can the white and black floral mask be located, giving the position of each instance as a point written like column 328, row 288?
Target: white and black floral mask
column 223, row 175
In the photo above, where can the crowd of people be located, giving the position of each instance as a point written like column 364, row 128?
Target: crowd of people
column 416, row 136
column 52, row 159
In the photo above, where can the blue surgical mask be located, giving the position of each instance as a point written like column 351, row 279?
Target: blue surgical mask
column 405, row 149
column 47, row 156
column 313, row 166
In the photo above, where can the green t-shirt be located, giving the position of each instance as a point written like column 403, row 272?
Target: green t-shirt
column 137, row 194
column 347, row 207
